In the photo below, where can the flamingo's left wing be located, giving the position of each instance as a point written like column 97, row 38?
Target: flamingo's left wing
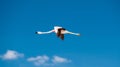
column 62, row 36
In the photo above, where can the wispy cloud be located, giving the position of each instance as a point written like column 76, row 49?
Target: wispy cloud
column 57, row 59
column 45, row 60
column 11, row 55
column 39, row 60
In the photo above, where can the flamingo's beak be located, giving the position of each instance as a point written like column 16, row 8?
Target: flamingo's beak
column 36, row 32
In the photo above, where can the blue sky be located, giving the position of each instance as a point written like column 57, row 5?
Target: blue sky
column 96, row 20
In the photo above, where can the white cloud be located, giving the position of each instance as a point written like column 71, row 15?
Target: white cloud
column 39, row 60
column 45, row 60
column 57, row 59
column 11, row 55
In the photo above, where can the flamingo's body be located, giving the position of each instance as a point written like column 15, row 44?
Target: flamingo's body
column 60, row 31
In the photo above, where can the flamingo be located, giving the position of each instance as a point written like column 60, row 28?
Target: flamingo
column 60, row 31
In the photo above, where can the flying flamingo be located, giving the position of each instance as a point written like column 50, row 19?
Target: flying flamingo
column 60, row 31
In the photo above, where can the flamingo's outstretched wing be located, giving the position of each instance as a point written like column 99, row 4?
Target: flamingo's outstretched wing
column 62, row 36
column 60, row 31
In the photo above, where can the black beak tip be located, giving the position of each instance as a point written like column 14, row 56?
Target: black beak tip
column 36, row 33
